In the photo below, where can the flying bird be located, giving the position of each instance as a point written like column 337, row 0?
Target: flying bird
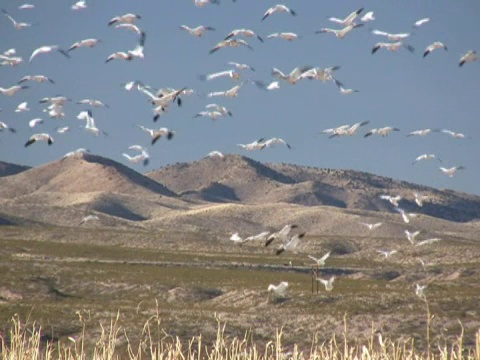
column 22, row 107
column 234, row 43
column 394, row 200
column 389, row 36
column 320, row 261
column 289, row 36
column 89, row 218
column 411, row 236
column 84, row 43
column 274, row 141
column 215, row 154
column 237, row 239
column 276, row 9
column 232, row 74
column 39, row 137
column 282, row 234
column 232, row 92
column 37, row 78
column 454, row 134
column 127, row 18
column 327, row 283
column 421, row 132
column 371, row 226
column 143, row 157
column 259, row 237
column 26, row 7
column 47, row 49
column 4, row 126
column 201, row 3
column 385, row 131
column 294, row 76
column 349, row 20
column 17, row 25
column 343, row 90
column 435, row 45
column 266, row 86
column 12, row 90
column 469, row 56
column 197, row 31
column 157, row 134
column 280, row 289
column 34, row 122
column 240, row 66
column 419, row 198
column 392, row 46
column 387, row 253
column 255, row 145
column 339, row 33
column 291, row 244
column 450, row 172
column 92, row 102
column 427, row 241
column 79, row 5
column 131, row 27
column 243, row 32
column 368, row 17
column 421, row 22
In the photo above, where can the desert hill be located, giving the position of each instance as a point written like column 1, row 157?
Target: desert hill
column 7, row 169
column 239, row 179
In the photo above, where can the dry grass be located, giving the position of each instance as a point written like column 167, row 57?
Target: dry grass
column 112, row 342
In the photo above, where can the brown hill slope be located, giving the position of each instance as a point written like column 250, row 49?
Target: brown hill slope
column 82, row 173
column 239, row 179
column 7, row 169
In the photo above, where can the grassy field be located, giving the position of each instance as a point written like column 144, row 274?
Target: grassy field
column 77, row 283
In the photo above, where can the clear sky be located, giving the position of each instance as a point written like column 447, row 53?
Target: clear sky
column 399, row 89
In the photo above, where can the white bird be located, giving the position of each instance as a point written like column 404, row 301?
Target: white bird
column 22, row 107
column 26, row 7
column 339, row 33
column 137, row 52
column 4, row 126
column 127, row 18
column 215, row 154
column 421, row 22
column 197, row 31
column 75, row 152
column 387, row 253
column 243, row 32
column 37, row 78
column 291, row 244
column 322, row 74
column 92, row 102
column 79, row 5
column 234, row 43
column 282, row 234
column 280, row 289
column 289, row 36
column 343, row 90
column 371, row 226
column 428, row 241
column 143, row 157
column 47, row 49
column 421, row 132
column 392, row 199
column 56, row 100
column 84, row 43
column 267, row 87
column 89, row 218
column 222, row 109
column 133, row 84
column 63, row 129
column 434, row 46
column 131, row 27
column 232, row 92
column 405, row 216
column 237, row 239
column 349, row 130
column 411, row 236
column 17, row 25
column 455, row 135
column 293, row 76
column 119, row 55
column 320, row 261
column 259, row 237
column 255, row 145
column 157, row 134
column 420, row 290
column 395, row 46
column 349, row 20
column 200, row 3
column 214, row 115
column 232, row 74
column 240, row 66
column 368, row 17
column 469, row 56
column 10, row 52
column 450, row 172
column 34, row 122
column 391, row 37
column 327, row 283
column 12, row 90
column 55, row 111
column 278, row 8
column 10, row 60
column 274, row 141
column 90, row 123
column 419, row 198
column 385, row 131
column 39, row 137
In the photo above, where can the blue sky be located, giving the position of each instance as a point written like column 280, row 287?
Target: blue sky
column 395, row 89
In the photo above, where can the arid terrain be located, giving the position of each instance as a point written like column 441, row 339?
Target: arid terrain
column 161, row 244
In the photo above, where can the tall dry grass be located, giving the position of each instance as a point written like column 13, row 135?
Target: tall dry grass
column 112, row 342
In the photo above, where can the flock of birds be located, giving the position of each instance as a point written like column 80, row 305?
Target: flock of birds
column 163, row 100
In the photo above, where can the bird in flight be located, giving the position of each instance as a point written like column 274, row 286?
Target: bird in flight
column 450, row 172
column 469, row 56
column 387, row 253
column 47, row 49
column 371, row 226
column 349, row 20
column 277, row 9
column 197, row 31
column 127, row 18
column 320, row 261
column 280, row 289
column 327, row 283
column 39, row 137
column 290, row 245
column 435, row 45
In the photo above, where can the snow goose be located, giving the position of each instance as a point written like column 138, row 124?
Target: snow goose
column 259, row 237
column 469, row 56
column 234, row 43
column 421, row 132
column 201, row 3
column 26, row 7
column 349, row 20
column 274, row 141
column 17, row 25
column 435, row 45
column 322, row 74
column 12, row 90
column 89, row 218
column 425, row 157
column 240, row 66
column 79, row 5
column 37, row 78
column 294, row 76
column 214, row 115
column 243, row 32
column 411, row 236
column 339, row 33
column 92, row 102
column 384, row 132
column 276, row 9
column 421, row 22
column 143, row 157
column 219, row 108
column 387, row 253
column 197, row 31
column 454, row 134
column 264, row 86
column 427, row 241
column 90, row 123
column 290, row 245
column 419, row 198
column 157, row 134
column 127, row 18
column 4, row 126
column 131, row 27
column 34, row 122
column 237, row 239
column 255, row 145
column 389, row 36
column 289, row 36
column 327, row 283
column 215, row 154
column 232, row 92
column 39, row 137
column 391, row 199
column 232, row 74
column 22, row 107
column 450, row 172
column 320, row 261
column 343, row 90
column 84, row 43
column 371, row 226
column 47, row 49
column 280, row 289
column 395, row 46
column 369, row 16
column 420, row 290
